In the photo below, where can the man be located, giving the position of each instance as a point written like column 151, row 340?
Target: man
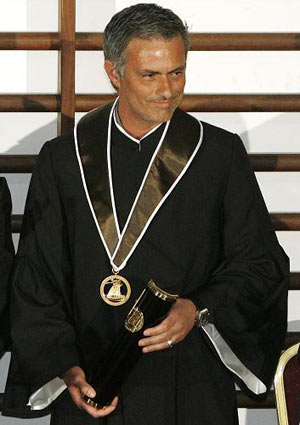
column 144, row 191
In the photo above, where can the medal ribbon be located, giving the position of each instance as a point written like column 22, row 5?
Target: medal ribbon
column 179, row 144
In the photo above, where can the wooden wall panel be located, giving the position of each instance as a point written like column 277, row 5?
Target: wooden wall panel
column 67, row 66
column 191, row 102
column 198, row 41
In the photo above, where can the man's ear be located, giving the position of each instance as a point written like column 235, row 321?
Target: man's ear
column 112, row 74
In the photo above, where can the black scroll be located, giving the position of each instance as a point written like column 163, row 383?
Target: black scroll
column 149, row 309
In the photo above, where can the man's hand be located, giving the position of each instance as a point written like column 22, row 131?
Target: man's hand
column 175, row 327
column 75, row 380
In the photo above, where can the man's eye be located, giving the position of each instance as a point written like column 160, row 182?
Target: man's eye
column 177, row 73
column 148, row 76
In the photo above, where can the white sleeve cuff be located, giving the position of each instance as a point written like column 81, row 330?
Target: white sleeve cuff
column 231, row 361
column 46, row 394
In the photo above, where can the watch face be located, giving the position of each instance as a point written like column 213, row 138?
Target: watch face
column 203, row 318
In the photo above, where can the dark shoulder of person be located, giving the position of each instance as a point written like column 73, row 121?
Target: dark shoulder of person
column 6, row 260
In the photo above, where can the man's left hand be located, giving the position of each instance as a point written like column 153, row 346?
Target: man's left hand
column 174, row 328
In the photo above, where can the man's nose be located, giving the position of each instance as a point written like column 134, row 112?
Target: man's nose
column 164, row 87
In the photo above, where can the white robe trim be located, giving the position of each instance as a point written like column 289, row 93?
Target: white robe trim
column 46, row 394
column 232, row 362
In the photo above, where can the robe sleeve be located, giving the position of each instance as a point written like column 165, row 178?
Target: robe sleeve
column 6, row 259
column 246, row 294
column 43, row 334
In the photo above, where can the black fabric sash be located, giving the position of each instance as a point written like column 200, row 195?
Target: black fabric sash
column 180, row 142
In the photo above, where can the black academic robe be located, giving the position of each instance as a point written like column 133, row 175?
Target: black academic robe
column 6, row 259
column 211, row 241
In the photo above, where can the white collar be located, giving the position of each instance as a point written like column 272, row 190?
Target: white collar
column 120, row 127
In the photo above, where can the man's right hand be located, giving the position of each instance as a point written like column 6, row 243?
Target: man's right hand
column 75, row 381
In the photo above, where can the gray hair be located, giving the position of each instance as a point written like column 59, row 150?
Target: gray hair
column 145, row 21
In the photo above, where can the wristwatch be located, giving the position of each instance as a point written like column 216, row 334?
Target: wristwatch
column 202, row 317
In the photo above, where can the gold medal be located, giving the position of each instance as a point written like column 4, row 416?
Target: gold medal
column 115, row 290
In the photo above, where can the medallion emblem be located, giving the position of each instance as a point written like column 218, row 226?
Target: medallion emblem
column 135, row 320
column 115, row 290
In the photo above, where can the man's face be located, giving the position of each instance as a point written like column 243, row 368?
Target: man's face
column 153, row 82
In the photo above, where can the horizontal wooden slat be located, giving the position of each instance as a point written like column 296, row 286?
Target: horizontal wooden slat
column 17, row 163
column 275, row 162
column 245, row 41
column 83, row 102
column 243, row 401
column 291, row 339
column 295, row 281
column 16, row 223
column 260, row 162
column 241, row 103
column 213, row 102
column 286, row 221
column 198, row 41
column 89, row 41
column 29, row 41
column 29, row 103
column 191, row 103
column 214, row 41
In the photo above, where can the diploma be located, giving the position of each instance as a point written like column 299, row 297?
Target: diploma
column 150, row 308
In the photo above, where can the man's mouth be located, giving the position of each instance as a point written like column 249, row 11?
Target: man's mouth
column 164, row 103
